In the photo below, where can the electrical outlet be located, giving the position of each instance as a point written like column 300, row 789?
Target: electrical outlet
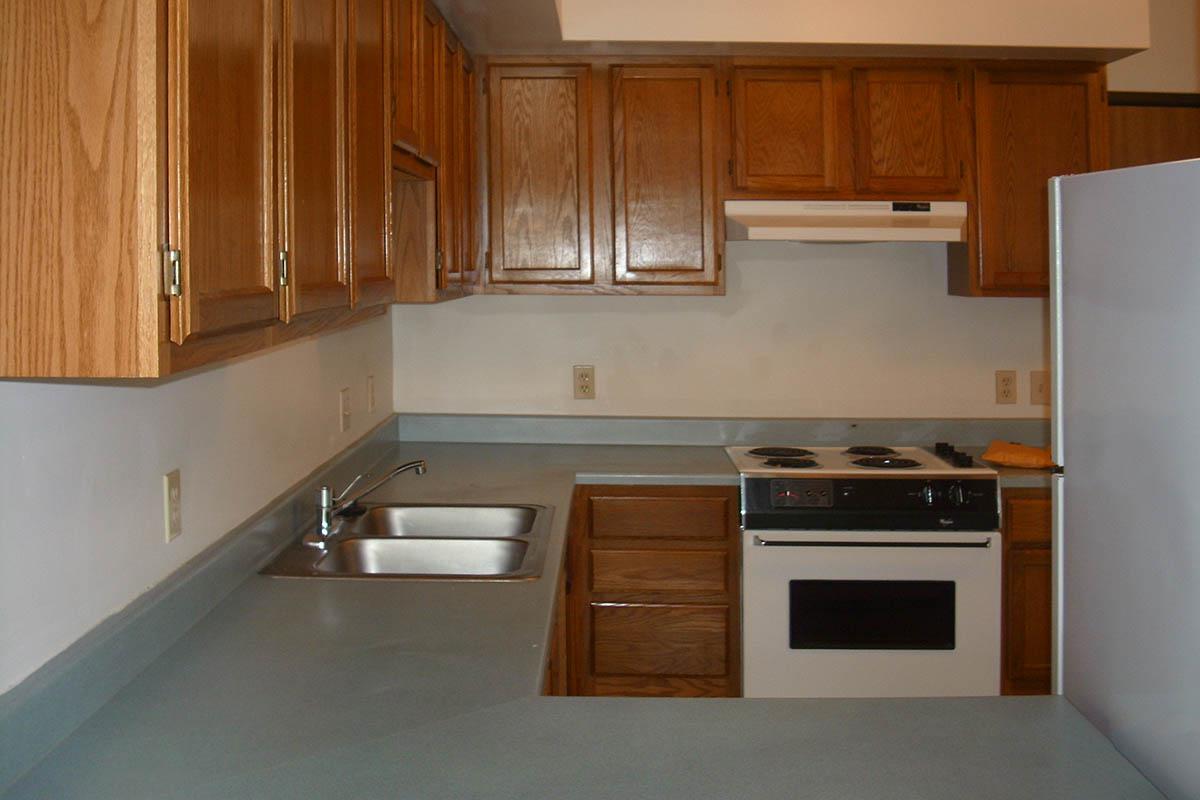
column 585, row 382
column 1039, row 387
column 172, row 511
column 344, row 409
column 370, row 393
column 1006, row 386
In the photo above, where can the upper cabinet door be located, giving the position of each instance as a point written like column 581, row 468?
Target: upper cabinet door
column 1030, row 126
column 370, row 155
column 448, row 169
column 540, row 181
column 790, row 130
column 468, row 211
column 406, row 39
column 221, row 198
column 908, row 125
column 315, row 188
column 664, row 174
column 429, row 79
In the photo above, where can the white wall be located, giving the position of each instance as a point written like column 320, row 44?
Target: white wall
column 804, row 331
column 1014, row 23
column 81, row 510
column 1172, row 64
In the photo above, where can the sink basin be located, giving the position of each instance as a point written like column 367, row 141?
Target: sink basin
column 415, row 556
column 442, row 521
column 424, row 542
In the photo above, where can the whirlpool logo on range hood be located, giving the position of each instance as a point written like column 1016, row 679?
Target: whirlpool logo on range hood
column 845, row 221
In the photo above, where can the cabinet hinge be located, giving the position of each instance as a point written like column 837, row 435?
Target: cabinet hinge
column 172, row 272
column 437, row 261
column 729, row 166
column 284, row 272
column 720, row 262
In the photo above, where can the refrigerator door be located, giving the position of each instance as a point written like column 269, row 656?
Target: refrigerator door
column 1128, row 353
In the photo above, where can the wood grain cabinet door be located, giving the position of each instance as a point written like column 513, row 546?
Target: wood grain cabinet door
column 315, row 186
column 468, row 211
column 405, row 85
column 1025, row 659
column 664, row 174
column 449, row 168
column 221, row 196
column 429, row 80
column 907, row 129
column 1030, row 126
column 790, row 130
column 370, row 155
column 540, row 187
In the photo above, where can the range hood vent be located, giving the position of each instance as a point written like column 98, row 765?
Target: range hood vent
column 845, row 221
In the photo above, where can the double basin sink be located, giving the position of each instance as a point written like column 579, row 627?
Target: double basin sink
column 447, row 542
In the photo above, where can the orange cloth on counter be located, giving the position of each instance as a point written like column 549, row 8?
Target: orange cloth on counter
column 1011, row 454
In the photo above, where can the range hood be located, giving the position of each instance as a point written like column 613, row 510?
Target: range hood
column 845, row 221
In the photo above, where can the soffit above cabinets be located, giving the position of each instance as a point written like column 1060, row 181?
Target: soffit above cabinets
column 1093, row 30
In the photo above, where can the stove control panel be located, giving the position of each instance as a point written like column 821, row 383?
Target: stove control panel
column 801, row 493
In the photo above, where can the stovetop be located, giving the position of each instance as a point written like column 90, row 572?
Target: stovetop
column 860, row 461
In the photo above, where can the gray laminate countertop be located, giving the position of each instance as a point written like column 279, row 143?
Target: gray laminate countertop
column 308, row 688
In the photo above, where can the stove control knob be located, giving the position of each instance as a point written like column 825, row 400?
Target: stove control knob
column 927, row 495
column 958, row 495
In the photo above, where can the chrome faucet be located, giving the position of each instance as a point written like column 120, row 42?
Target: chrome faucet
column 331, row 504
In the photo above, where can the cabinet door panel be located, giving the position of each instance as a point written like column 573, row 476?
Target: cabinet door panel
column 222, row 193
column 406, row 33
column 659, row 571
column 540, row 187
column 316, row 189
column 468, row 244
column 788, row 130
column 686, row 517
column 449, row 198
column 1027, row 621
column 659, row 639
column 664, row 179
column 1030, row 126
column 370, row 164
column 907, row 128
column 429, row 116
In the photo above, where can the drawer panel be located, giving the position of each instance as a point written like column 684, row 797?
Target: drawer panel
column 695, row 518
column 659, row 570
column 659, row 639
column 1027, row 519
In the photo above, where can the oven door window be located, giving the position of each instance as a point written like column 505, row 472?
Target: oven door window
column 871, row 615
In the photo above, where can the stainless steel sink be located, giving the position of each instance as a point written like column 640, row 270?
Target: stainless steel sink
column 413, row 556
column 425, row 542
column 440, row 521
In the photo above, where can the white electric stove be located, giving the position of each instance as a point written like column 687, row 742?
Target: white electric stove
column 869, row 572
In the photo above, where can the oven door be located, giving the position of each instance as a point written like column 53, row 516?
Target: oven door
column 870, row 614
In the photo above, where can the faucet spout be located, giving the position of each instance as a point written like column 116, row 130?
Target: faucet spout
column 331, row 504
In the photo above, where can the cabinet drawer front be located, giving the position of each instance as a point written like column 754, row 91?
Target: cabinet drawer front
column 659, row 571
column 659, row 639
column 659, row 517
column 1028, row 520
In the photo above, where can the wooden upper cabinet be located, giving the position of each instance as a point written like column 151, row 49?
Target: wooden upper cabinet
column 406, row 98
column 540, row 184
column 221, row 192
column 664, row 174
column 790, row 130
column 316, row 163
column 907, row 131
column 429, row 79
column 448, row 186
column 468, row 173
column 1030, row 126
column 370, row 155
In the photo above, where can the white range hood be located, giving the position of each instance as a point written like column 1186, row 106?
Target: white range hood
column 845, row 221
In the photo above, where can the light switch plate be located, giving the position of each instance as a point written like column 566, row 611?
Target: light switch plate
column 370, row 393
column 172, row 505
column 1039, row 387
column 344, row 409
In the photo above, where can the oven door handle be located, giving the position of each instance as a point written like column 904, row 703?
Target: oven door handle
column 761, row 542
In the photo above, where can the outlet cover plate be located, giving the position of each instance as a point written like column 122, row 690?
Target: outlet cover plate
column 172, row 505
column 585, row 381
column 1006, row 386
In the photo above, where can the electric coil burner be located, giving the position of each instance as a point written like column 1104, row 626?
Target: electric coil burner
column 780, row 452
column 869, row 450
column 886, row 462
column 790, row 463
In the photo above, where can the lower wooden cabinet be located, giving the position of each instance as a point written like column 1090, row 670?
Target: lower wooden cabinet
column 653, row 592
column 1025, row 651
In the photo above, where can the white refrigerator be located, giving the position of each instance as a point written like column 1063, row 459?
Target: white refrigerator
column 1125, row 310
